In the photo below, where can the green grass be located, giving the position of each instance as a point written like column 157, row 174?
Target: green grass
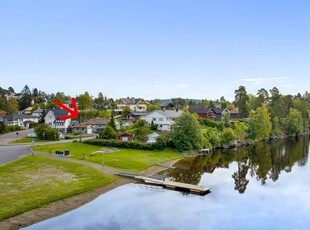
column 26, row 140
column 35, row 181
column 127, row 159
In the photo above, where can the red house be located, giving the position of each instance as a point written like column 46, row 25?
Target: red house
column 125, row 137
column 203, row 112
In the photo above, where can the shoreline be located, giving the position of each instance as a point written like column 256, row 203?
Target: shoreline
column 68, row 204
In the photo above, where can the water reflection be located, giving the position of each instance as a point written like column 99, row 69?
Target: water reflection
column 260, row 187
column 262, row 161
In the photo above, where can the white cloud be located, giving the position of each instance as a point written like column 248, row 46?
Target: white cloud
column 257, row 81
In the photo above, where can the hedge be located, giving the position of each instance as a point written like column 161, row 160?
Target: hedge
column 158, row 145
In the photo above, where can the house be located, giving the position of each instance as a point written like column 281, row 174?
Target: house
column 166, row 106
column 125, row 137
column 3, row 113
column 163, row 118
column 22, row 120
column 52, row 119
column 135, row 104
column 202, row 111
column 28, row 110
column 83, row 128
column 152, row 137
column 126, row 122
column 136, row 115
column 98, row 124
column 220, row 113
column 233, row 114
column 37, row 112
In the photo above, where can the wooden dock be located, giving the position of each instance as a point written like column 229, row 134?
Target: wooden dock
column 178, row 186
column 196, row 189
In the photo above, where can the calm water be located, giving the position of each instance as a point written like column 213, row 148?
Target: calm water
column 266, row 186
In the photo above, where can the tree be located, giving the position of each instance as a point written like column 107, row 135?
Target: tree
column 108, row 133
column 126, row 110
column 152, row 107
column 241, row 101
column 293, row 122
column 186, row 133
column 42, row 116
column 111, row 122
column 85, row 101
column 25, row 100
column 228, row 136
column 12, row 106
column 260, row 123
column 11, row 90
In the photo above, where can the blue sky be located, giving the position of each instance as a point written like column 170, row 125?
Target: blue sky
column 155, row 49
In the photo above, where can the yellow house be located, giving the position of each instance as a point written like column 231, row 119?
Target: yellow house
column 135, row 104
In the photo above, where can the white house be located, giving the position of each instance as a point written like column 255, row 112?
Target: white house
column 163, row 118
column 52, row 119
column 22, row 120
column 152, row 137
column 83, row 128
column 37, row 112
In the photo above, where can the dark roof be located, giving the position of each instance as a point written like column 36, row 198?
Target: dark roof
column 124, row 134
column 18, row 116
column 199, row 109
column 58, row 112
column 138, row 113
column 219, row 110
column 131, row 100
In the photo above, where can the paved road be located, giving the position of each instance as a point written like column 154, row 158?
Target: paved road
column 8, row 137
column 13, row 152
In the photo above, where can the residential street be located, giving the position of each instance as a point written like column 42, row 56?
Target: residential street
column 11, row 152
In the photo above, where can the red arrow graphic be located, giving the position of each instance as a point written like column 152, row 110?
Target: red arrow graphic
column 73, row 113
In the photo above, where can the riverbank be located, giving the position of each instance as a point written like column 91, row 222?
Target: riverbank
column 63, row 206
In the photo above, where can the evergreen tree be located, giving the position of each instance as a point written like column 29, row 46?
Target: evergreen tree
column 241, row 101
column 112, row 123
column 26, row 98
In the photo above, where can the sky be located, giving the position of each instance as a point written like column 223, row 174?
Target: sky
column 155, row 49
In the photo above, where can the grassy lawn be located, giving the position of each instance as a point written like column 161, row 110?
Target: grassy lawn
column 128, row 159
column 27, row 140
column 34, row 181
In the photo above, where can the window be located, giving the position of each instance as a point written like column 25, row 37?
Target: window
column 154, row 118
column 161, row 119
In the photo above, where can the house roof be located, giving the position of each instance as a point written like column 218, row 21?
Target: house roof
column 81, row 126
column 169, row 113
column 3, row 113
column 219, row 110
column 125, row 134
column 38, row 111
column 18, row 116
column 199, row 109
column 138, row 113
column 97, row 121
column 131, row 100
column 153, row 135
column 58, row 112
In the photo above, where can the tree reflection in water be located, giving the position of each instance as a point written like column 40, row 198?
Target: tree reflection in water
column 263, row 161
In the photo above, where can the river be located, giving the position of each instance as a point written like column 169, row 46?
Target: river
column 264, row 186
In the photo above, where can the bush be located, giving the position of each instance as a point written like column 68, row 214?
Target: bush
column 127, row 145
column 6, row 128
column 44, row 132
column 108, row 133
column 210, row 123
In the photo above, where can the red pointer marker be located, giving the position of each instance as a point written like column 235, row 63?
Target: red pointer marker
column 73, row 113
